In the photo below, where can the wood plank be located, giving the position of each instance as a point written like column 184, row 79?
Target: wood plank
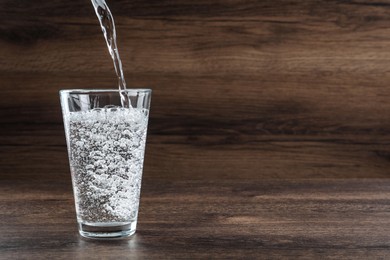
column 243, row 37
column 180, row 107
column 303, row 219
column 214, row 157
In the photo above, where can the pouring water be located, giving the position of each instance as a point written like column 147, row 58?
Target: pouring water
column 108, row 27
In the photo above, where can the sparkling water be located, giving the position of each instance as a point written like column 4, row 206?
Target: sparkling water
column 106, row 158
column 108, row 27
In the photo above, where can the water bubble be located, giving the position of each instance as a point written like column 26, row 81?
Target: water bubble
column 107, row 173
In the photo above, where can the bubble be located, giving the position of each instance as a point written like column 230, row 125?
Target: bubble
column 108, row 177
column 126, row 133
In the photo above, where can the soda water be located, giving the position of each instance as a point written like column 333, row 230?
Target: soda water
column 106, row 160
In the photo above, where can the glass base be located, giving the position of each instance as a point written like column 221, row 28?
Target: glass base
column 107, row 230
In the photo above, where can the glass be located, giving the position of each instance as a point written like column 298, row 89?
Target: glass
column 106, row 146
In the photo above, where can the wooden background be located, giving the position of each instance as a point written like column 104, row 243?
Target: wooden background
column 242, row 89
column 263, row 115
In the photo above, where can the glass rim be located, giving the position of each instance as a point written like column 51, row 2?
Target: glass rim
column 103, row 91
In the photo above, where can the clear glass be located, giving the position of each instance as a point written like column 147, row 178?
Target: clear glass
column 106, row 146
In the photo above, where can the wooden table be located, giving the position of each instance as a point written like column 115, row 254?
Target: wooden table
column 253, row 219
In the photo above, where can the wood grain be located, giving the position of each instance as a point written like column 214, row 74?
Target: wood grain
column 294, row 88
column 268, row 137
column 305, row 219
column 41, row 153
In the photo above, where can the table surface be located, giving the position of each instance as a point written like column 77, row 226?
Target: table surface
column 305, row 218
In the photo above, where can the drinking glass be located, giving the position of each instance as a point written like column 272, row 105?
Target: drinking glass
column 106, row 146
